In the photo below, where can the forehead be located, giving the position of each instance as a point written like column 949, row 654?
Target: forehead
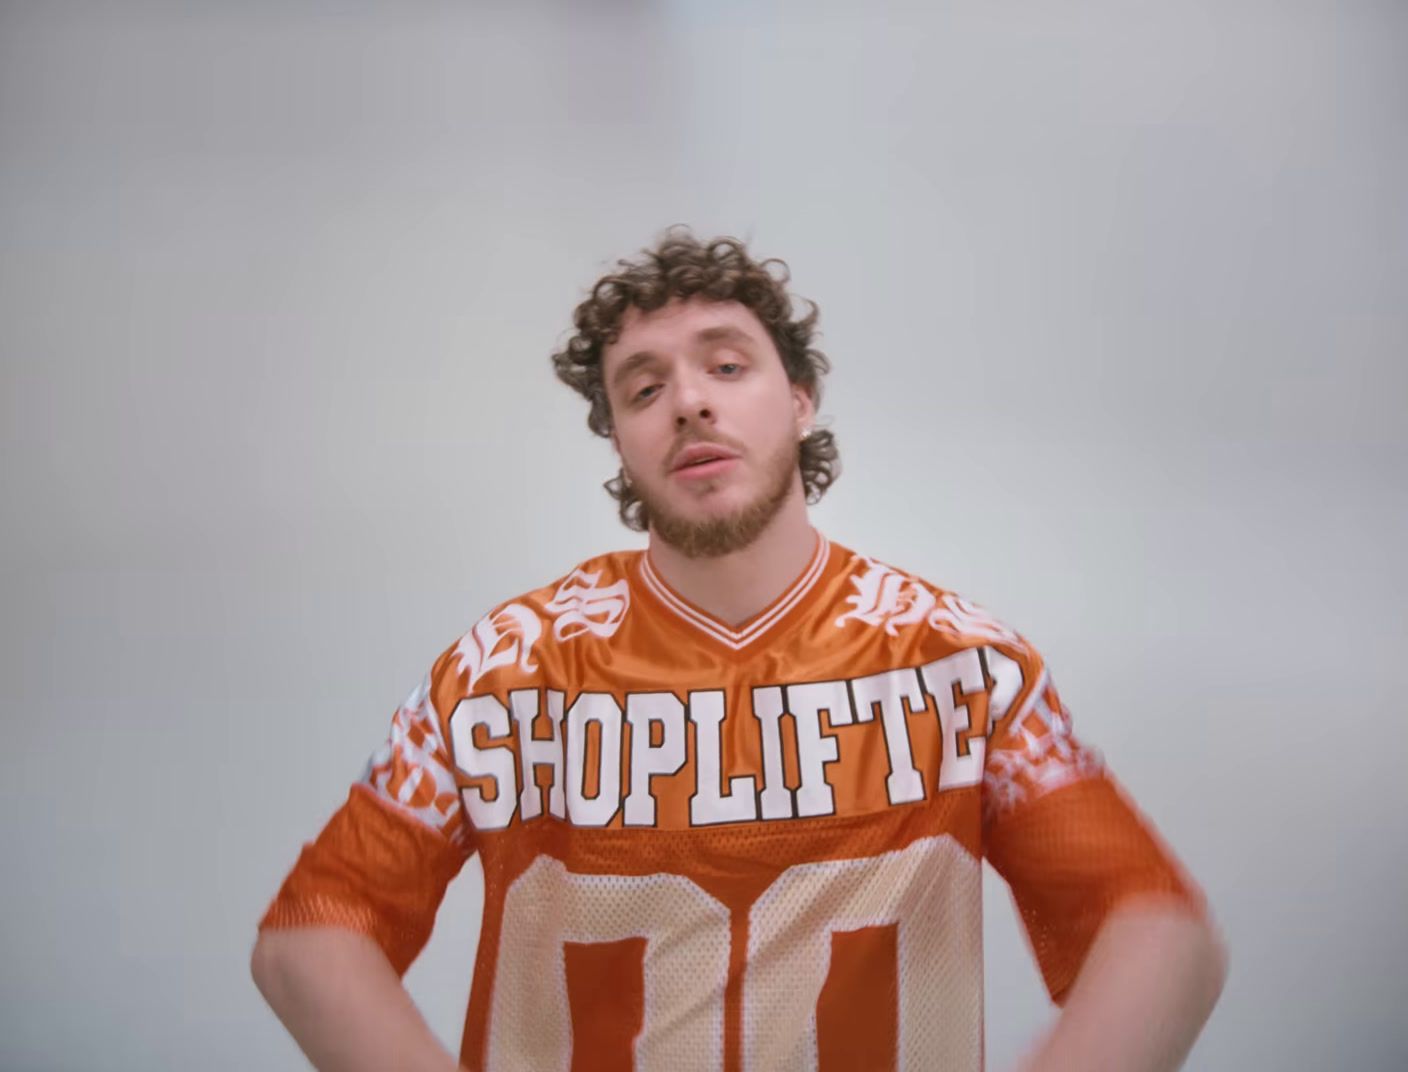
column 679, row 324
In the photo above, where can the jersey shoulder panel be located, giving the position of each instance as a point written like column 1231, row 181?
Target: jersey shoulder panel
column 510, row 645
column 898, row 603
column 1030, row 747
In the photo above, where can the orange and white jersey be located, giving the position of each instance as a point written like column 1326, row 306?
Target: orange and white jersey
column 752, row 847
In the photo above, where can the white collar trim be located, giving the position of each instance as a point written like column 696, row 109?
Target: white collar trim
column 737, row 639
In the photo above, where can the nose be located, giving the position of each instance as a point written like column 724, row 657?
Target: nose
column 693, row 401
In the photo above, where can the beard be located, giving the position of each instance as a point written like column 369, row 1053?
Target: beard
column 713, row 537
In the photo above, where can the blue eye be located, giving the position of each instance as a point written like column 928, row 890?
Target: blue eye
column 730, row 365
column 643, row 394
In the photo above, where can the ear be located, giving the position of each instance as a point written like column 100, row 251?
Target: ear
column 804, row 409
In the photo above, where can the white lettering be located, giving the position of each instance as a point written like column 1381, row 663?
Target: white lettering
column 816, row 749
column 709, row 805
column 601, row 708
column 495, row 763
column 1007, row 677
column 964, row 669
column 776, row 798
column 643, row 710
column 889, row 691
column 534, row 753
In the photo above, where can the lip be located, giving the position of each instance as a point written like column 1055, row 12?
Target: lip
column 685, row 461
column 706, row 470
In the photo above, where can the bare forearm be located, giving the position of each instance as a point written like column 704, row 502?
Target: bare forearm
column 1149, row 983
column 339, row 997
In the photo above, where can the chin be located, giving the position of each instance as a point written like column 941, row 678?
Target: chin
column 715, row 508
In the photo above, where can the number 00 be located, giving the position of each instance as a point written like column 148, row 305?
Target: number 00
column 929, row 891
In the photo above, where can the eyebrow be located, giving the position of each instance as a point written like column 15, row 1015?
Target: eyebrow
column 717, row 333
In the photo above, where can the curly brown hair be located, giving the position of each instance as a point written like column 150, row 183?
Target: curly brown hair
column 682, row 266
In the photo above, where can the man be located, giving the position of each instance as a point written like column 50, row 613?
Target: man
column 732, row 794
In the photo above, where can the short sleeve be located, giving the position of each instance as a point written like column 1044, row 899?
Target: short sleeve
column 381, row 864
column 1059, row 829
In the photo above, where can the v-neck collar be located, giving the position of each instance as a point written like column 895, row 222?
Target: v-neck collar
column 754, row 627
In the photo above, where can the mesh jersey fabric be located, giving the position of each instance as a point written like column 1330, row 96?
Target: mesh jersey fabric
column 742, row 848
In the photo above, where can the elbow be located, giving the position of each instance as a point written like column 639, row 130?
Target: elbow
column 265, row 968
column 260, row 963
column 1205, row 956
column 1204, row 966
column 1217, row 960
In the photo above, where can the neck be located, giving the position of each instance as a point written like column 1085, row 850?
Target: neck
column 736, row 586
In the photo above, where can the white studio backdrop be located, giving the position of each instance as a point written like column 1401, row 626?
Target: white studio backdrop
column 1116, row 299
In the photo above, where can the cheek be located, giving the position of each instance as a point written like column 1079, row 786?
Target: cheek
column 633, row 448
column 775, row 417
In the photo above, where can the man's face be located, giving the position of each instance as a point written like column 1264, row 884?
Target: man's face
column 705, row 421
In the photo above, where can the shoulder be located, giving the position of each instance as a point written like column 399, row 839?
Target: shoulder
column 508, row 643
column 896, row 601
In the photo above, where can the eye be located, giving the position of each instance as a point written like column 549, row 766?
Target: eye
column 645, row 394
column 730, row 368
